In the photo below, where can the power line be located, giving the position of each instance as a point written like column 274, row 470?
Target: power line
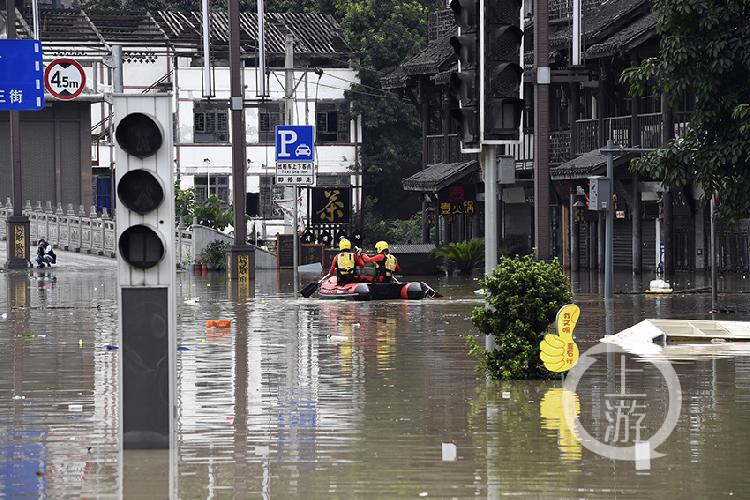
column 361, row 85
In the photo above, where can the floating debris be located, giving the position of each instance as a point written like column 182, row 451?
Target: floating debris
column 449, row 452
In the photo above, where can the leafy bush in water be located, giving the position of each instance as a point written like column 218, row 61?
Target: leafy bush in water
column 211, row 213
column 524, row 296
column 214, row 254
column 464, row 256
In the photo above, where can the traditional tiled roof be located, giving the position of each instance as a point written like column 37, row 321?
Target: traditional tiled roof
column 395, row 80
column 625, row 39
column 429, row 61
column 585, row 165
column 431, row 58
column 436, row 177
column 606, row 21
column 601, row 22
column 91, row 31
column 313, row 33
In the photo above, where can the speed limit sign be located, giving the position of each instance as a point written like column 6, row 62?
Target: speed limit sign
column 64, row 78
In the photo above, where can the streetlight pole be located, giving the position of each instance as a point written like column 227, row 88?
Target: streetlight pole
column 207, row 163
column 18, row 224
column 241, row 256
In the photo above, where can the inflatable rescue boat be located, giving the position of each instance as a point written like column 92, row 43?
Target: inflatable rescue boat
column 414, row 290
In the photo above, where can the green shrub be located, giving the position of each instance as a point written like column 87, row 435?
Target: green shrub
column 214, row 254
column 212, row 213
column 523, row 296
column 464, row 256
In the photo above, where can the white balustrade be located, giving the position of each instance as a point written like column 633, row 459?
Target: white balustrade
column 82, row 232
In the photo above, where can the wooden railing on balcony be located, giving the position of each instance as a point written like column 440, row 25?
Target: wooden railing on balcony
column 523, row 152
column 587, row 135
column 618, row 128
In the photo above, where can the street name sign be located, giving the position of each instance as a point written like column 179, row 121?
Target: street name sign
column 64, row 78
column 295, row 174
column 295, row 143
column 21, row 75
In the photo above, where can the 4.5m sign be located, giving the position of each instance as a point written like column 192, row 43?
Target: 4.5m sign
column 64, row 78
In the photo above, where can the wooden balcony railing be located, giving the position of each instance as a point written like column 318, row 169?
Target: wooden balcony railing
column 437, row 153
column 619, row 129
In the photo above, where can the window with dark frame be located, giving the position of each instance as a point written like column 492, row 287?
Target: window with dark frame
column 211, row 122
column 219, row 187
column 270, row 114
column 332, row 122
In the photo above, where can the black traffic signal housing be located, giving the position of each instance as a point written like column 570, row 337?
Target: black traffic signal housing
column 503, row 73
column 465, row 83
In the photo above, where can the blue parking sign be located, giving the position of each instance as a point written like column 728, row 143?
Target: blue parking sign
column 295, row 143
column 21, row 75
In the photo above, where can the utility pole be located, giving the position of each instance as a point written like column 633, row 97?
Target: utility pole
column 488, row 160
column 608, row 261
column 289, row 120
column 541, row 130
column 242, row 256
column 18, row 224
column 118, row 85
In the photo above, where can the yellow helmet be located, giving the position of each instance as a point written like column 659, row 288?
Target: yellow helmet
column 345, row 244
column 380, row 246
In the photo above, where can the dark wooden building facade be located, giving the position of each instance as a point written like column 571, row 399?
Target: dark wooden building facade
column 588, row 106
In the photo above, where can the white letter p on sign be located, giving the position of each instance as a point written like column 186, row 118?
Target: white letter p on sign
column 286, row 137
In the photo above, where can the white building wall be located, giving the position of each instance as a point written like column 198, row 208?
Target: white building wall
column 190, row 157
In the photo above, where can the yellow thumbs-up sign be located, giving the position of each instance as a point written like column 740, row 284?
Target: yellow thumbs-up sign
column 560, row 352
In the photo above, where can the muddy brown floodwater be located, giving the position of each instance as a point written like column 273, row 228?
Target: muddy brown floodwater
column 312, row 399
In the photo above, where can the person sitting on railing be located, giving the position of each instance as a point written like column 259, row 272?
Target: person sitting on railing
column 45, row 254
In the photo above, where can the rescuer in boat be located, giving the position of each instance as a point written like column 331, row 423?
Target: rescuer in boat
column 345, row 264
column 385, row 263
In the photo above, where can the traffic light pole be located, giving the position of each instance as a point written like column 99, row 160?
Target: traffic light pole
column 241, row 256
column 18, row 224
column 489, row 167
column 289, row 120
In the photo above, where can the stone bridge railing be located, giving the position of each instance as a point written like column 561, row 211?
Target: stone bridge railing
column 82, row 232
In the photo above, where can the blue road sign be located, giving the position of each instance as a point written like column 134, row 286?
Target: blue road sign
column 295, row 143
column 21, row 75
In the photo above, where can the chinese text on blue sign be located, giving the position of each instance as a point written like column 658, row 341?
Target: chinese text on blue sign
column 295, row 143
column 21, row 75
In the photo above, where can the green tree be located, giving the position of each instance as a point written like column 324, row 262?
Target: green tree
column 524, row 295
column 385, row 33
column 184, row 204
column 704, row 50
column 211, row 213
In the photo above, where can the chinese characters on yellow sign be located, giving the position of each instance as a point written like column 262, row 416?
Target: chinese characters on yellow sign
column 457, row 200
column 19, row 241
column 331, row 205
column 560, row 352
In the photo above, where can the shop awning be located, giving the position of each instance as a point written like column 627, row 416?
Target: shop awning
column 586, row 165
column 439, row 175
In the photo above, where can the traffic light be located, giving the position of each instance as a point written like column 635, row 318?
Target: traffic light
column 502, row 72
column 465, row 84
column 146, row 268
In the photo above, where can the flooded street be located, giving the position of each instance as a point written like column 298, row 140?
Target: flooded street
column 313, row 399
